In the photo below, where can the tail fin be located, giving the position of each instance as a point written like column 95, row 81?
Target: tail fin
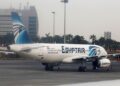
column 20, row 33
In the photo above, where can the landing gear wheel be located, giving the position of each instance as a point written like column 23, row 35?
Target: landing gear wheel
column 95, row 64
column 108, row 69
column 49, row 68
column 82, row 69
column 94, row 67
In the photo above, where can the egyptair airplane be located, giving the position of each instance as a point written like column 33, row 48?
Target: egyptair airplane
column 51, row 55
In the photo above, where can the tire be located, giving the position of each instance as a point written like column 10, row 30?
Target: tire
column 82, row 69
column 49, row 67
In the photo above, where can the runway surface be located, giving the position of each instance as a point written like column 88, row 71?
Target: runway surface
column 32, row 73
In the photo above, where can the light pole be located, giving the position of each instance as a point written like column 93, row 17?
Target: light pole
column 64, row 1
column 53, row 25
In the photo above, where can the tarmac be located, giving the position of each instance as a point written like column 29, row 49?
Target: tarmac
column 32, row 73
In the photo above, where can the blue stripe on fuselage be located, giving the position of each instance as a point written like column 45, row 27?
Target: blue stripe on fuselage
column 92, row 52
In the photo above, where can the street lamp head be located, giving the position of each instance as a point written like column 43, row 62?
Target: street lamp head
column 64, row 1
column 53, row 12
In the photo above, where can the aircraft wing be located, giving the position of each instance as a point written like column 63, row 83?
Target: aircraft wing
column 76, row 59
column 80, row 58
column 71, row 59
column 87, row 58
column 6, row 52
column 3, row 48
column 114, row 55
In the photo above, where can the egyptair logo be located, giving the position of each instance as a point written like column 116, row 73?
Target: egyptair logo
column 93, row 51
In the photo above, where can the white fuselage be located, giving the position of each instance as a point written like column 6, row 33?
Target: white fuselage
column 54, row 52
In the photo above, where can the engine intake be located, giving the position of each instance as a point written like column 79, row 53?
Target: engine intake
column 104, row 63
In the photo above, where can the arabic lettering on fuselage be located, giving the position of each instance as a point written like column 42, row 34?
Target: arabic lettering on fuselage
column 72, row 50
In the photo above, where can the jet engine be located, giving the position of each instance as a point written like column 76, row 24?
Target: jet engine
column 104, row 63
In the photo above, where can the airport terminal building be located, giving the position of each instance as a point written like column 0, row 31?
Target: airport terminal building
column 28, row 16
column 5, row 22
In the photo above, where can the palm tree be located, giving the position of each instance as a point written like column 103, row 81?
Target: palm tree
column 78, row 39
column 69, row 38
column 93, row 38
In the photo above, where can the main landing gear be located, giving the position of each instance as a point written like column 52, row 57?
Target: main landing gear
column 49, row 66
column 82, row 67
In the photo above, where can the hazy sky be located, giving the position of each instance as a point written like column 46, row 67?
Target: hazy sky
column 84, row 17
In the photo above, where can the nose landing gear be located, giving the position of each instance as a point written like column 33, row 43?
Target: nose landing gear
column 95, row 64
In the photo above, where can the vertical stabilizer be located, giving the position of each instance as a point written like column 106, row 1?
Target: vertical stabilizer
column 20, row 33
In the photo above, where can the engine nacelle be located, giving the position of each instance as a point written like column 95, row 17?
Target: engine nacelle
column 104, row 63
